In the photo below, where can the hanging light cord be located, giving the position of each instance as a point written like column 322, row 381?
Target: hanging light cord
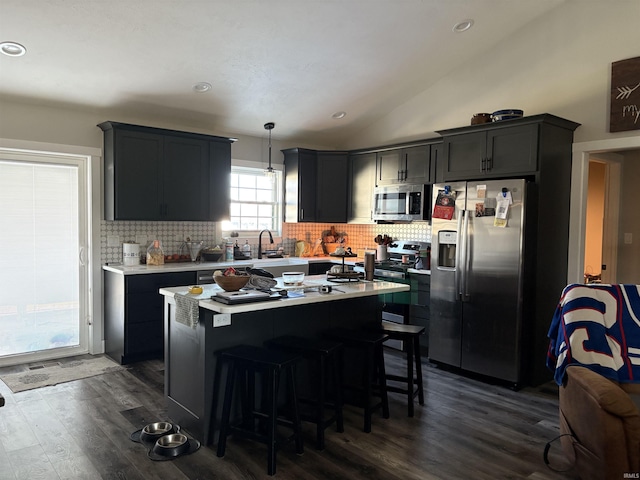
column 269, row 126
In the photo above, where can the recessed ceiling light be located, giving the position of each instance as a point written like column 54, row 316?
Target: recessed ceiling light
column 339, row 115
column 463, row 26
column 12, row 49
column 202, row 87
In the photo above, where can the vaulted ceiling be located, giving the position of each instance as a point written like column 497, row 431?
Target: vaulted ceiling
column 293, row 62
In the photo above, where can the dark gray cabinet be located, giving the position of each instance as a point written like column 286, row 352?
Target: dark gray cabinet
column 405, row 165
column 155, row 174
column 134, row 312
column 498, row 152
column 362, row 180
column 315, row 186
column 419, row 312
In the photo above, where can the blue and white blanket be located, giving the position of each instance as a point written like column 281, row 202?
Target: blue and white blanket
column 597, row 326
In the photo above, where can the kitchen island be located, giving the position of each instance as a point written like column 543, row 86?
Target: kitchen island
column 190, row 348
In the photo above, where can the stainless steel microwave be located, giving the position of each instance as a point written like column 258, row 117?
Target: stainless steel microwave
column 402, row 203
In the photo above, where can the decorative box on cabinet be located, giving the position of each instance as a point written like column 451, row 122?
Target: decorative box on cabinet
column 315, row 185
column 156, row 174
column 134, row 312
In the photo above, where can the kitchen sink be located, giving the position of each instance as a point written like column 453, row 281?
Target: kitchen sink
column 276, row 266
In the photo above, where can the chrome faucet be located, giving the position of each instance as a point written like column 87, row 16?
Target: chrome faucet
column 260, row 241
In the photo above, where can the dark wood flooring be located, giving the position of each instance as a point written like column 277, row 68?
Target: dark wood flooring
column 466, row 430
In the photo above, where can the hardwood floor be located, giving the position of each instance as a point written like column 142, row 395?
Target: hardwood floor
column 466, row 430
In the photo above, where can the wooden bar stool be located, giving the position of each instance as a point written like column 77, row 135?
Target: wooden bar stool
column 323, row 360
column 244, row 363
column 410, row 336
column 369, row 346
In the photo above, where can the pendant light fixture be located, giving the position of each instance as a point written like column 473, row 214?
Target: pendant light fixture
column 270, row 172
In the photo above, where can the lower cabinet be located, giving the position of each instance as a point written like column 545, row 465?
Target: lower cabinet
column 320, row 268
column 419, row 309
column 134, row 312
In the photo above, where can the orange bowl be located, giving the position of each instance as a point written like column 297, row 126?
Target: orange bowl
column 232, row 283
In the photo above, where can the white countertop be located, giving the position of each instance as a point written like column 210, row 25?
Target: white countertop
column 256, row 263
column 197, row 266
column 340, row 291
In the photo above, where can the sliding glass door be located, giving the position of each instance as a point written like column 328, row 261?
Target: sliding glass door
column 43, row 271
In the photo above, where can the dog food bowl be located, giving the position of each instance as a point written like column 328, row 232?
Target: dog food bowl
column 171, row 445
column 154, row 431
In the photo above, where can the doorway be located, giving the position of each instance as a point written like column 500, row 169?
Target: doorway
column 44, row 283
column 609, row 151
column 602, row 218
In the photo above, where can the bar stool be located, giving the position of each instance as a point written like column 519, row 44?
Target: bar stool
column 410, row 336
column 244, row 362
column 323, row 360
column 369, row 345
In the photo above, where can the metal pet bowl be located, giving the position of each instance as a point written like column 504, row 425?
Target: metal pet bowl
column 154, row 431
column 171, row 445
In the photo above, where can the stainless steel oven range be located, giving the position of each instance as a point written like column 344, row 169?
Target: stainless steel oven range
column 396, row 306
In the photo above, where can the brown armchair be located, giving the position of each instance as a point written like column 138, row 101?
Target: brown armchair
column 603, row 425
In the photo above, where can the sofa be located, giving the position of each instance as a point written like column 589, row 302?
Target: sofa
column 600, row 424
column 594, row 351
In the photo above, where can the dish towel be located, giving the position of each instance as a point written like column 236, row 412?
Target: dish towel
column 187, row 309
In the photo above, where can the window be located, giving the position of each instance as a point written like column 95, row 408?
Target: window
column 255, row 201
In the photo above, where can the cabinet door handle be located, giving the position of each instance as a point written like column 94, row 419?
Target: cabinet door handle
column 489, row 163
column 301, row 213
column 483, row 165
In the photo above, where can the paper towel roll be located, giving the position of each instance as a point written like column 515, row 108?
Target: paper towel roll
column 130, row 254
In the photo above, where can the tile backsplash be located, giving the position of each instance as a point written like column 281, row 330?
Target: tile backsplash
column 358, row 237
column 172, row 234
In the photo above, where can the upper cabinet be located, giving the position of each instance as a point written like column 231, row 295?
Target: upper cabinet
column 156, row 174
column 405, row 165
column 362, row 180
column 315, row 186
column 500, row 149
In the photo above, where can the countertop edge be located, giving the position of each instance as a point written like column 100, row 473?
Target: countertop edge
column 342, row 291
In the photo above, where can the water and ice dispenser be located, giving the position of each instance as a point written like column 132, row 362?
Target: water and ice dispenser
column 447, row 242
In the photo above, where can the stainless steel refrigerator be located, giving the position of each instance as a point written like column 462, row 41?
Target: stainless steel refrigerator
column 477, row 276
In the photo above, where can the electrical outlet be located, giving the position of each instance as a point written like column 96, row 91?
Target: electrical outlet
column 628, row 238
column 141, row 239
column 221, row 320
column 113, row 241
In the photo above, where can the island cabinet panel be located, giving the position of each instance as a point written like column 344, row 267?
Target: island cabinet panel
column 315, row 185
column 155, row 174
column 133, row 313
column 191, row 386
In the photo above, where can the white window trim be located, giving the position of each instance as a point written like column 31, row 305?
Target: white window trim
column 254, row 234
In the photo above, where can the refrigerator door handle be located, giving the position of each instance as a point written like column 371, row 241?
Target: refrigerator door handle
column 464, row 291
column 458, row 259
